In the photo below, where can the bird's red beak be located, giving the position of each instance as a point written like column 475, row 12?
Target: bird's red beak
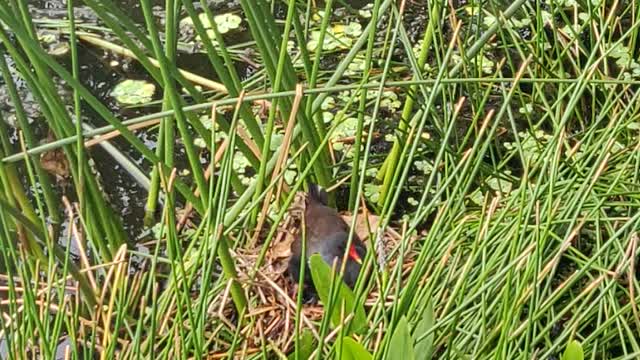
column 353, row 254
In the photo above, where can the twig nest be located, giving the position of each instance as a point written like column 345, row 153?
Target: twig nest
column 274, row 293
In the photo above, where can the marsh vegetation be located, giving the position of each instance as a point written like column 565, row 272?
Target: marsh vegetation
column 487, row 153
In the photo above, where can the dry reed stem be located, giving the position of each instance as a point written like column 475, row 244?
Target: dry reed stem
column 121, row 50
column 79, row 243
column 282, row 158
column 115, row 133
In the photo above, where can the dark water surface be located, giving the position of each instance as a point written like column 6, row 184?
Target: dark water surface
column 101, row 70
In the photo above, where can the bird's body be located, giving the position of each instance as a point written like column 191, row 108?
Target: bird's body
column 326, row 234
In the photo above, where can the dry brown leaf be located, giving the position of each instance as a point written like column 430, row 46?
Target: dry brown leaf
column 55, row 162
column 363, row 224
column 283, row 248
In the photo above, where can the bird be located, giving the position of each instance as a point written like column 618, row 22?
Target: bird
column 326, row 234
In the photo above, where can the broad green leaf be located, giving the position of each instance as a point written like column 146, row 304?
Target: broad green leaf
column 424, row 344
column 321, row 275
column 306, row 346
column 401, row 345
column 352, row 350
column 573, row 351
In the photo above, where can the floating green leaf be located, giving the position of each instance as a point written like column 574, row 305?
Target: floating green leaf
column 226, row 22
column 486, row 65
column 132, row 92
column 526, row 109
column 321, row 274
column 372, row 192
column 365, row 12
column 499, row 185
column 354, row 29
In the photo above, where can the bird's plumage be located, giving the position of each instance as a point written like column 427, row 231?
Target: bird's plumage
column 328, row 235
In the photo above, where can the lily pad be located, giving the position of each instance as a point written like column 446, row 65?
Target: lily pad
column 132, row 92
column 226, row 22
column 372, row 192
column 485, row 64
column 354, row 29
column 366, row 11
column 52, row 44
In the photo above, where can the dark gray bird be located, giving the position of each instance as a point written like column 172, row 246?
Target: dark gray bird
column 326, row 234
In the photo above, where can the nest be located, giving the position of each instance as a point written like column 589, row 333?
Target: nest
column 271, row 314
